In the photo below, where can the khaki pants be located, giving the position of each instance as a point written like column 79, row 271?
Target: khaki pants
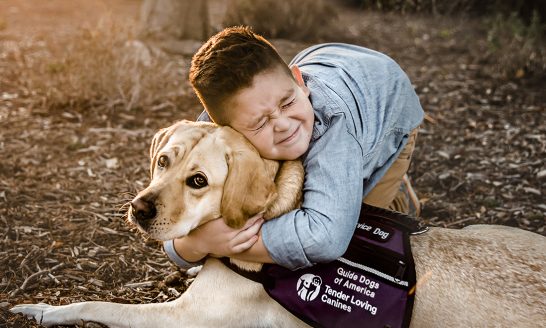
column 386, row 193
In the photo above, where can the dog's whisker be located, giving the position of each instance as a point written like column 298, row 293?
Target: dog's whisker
column 124, row 207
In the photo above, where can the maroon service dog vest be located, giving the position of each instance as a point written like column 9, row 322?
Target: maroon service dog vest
column 371, row 285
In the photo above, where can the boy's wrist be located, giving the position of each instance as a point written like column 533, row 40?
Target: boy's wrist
column 186, row 251
column 174, row 255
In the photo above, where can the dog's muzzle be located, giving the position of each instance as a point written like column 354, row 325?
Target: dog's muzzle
column 143, row 211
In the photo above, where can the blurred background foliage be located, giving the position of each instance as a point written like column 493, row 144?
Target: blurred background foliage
column 523, row 8
column 111, row 66
column 293, row 19
column 515, row 36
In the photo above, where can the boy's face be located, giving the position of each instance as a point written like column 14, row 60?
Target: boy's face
column 274, row 114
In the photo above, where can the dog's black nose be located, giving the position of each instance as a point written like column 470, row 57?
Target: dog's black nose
column 143, row 210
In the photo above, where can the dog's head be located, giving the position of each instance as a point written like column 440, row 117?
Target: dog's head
column 200, row 172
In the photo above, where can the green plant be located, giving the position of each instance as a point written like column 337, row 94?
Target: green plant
column 517, row 47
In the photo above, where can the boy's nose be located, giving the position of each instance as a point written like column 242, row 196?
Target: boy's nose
column 281, row 124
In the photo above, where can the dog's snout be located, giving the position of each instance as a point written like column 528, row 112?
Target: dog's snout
column 143, row 209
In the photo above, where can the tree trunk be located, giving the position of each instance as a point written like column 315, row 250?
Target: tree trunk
column 175, row 25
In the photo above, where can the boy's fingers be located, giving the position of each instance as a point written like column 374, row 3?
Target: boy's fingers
column 246, row 245
column 253, row 229
column 244, row 235
column 252, row 220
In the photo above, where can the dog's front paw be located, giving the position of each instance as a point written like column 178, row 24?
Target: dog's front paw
column 39, row 312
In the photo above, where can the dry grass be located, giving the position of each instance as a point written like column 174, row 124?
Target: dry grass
column 97, row 67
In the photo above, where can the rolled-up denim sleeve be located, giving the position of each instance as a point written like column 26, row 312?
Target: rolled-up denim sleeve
column 321, row 229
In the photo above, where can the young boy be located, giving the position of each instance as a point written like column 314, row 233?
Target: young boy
column 349, row 113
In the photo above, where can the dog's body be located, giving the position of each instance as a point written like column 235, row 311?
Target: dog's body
column 480, row 276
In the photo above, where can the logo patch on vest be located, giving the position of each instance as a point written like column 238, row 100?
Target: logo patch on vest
column 350, row 291
column 308, row 286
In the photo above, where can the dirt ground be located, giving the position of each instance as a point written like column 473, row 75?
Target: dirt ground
column 66, row 174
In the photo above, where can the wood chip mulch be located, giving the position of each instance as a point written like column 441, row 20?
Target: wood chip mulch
column 66, row 175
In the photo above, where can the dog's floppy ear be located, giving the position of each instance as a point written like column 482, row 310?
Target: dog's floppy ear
column 249, row 186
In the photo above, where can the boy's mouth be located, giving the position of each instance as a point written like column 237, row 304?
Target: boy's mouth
column 290, row 137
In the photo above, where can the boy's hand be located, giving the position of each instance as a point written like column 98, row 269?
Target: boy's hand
column 217, row 239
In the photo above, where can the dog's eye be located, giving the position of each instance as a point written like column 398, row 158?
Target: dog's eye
column 197, row 181
column 163, row 161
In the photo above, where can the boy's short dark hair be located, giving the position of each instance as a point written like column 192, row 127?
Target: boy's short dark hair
column 227, row 63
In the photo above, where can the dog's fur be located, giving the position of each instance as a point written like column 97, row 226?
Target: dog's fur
column 479, row 276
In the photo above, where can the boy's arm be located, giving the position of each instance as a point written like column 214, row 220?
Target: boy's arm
column 217, row 239
column 256, row 253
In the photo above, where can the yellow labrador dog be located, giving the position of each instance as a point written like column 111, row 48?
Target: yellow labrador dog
column 480, row 276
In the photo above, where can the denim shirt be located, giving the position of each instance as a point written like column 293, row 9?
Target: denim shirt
column 365, row 107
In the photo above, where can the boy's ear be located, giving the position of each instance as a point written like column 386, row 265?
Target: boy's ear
column 296, row 73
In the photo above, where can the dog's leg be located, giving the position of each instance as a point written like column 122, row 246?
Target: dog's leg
column 114, row 315
column 218, row 297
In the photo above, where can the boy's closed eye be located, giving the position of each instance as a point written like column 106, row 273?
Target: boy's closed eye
column 289, row 104
column 262, row 123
